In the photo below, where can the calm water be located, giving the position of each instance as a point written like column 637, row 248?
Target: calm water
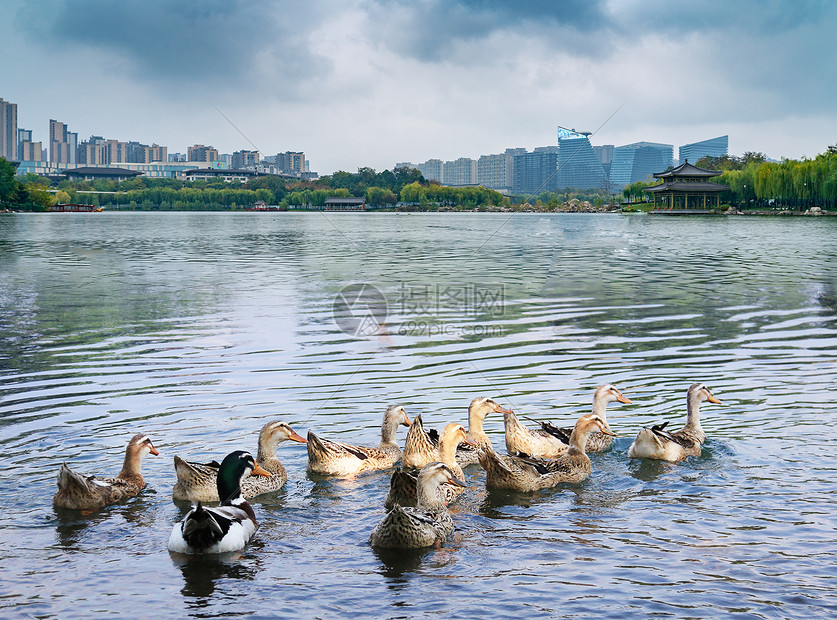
column 197, row 328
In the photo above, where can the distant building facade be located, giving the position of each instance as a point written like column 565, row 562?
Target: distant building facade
column 63, row 143
column 578, row 165
column 291, row 161
column 714, row 147
column 200, row 152
column 27, row 148
column 8, row 130
column 460, row 172
column 244, row 159
column 638, row 161
column 534, row 172
column 497, row 171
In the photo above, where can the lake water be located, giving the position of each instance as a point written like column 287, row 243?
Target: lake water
column 197, row 328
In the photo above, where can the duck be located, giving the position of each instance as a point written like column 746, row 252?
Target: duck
column 537, row 443
column 479, row 408
column 225, row 528
column 658, row 443
column 597, row 442
column 332, row 458
column 89, row 493
column 196, row 482
column 426, row 524
column 402, row 487
column 518, row 473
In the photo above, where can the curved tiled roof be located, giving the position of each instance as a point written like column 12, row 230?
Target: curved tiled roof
column 687, row 170
column 686, row 186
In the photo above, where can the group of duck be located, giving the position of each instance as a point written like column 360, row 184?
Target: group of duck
column 429, row 478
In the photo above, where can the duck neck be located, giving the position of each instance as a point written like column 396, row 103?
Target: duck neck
column 476, row 416
column 447, row 450
column 693, row 415
column 267, row 449
column 427, row 496
column 600, row 408
column 578, row 440
column 229, row 489
column 131, row 464
column 388, row 430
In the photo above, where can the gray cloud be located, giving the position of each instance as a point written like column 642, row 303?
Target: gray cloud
column 189, row 42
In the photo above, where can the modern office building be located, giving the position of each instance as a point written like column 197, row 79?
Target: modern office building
column 199, row 152
column 578, row 165
column 8, row 130
column 535, row 172
column 604, row 154
column 714, row 147
column 62, row 143
column 638, row 161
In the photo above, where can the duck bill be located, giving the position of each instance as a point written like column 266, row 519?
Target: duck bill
column 499, row 409
column 624, row 399
column 712, row 399
column 606, row 430
column 406, row 421
column 294, row 437
column 258, row 470
column 457, row 482
column 154, row 451
column 469, row 441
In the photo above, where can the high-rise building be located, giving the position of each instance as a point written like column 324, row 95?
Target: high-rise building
column 8, row 130
column 154, row 153
column 290, row 161
column 638, row 161
column 27, row 149
column 93, row 152
column 244, row 159
column 535, row 172
column 199, row 152
column 578, row 165
column 460, row 172
column 62, row 143
column 497, row 171
column 714, row 147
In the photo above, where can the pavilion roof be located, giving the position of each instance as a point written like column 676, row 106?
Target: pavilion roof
column 686, row 186
column 687, row 170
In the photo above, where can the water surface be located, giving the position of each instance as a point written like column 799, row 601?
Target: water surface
column 197, row 328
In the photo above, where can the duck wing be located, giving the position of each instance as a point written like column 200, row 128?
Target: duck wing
column 327, row 446
column 562, row 434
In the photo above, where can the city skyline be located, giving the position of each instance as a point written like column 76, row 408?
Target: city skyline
column 371, row 83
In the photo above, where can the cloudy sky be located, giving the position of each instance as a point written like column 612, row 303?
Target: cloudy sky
column 373, row 82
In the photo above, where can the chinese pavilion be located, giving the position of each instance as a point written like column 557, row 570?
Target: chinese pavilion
column 686, row 189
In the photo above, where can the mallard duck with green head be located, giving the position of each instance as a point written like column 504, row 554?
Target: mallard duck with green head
column 227, row 527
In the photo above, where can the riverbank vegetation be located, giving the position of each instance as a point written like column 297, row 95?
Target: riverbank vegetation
column 754, row 183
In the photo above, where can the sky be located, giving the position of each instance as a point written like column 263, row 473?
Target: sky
column 356, row 83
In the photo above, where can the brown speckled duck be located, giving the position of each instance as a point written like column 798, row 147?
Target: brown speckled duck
column 332, row 458
column 89, row 493
column 597, row 442
column 537, row 443
column 402, row 486
column 197, row 482
column 480, row 407
column 428, row 523
column 657, row 443
column 529, row 474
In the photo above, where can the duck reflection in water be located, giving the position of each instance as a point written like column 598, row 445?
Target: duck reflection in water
column 202, row 572
column 397, row 564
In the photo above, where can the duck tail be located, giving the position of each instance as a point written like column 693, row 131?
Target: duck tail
column 402, row 489
column 491, row 462
column 68, row 479
column 202, row 528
